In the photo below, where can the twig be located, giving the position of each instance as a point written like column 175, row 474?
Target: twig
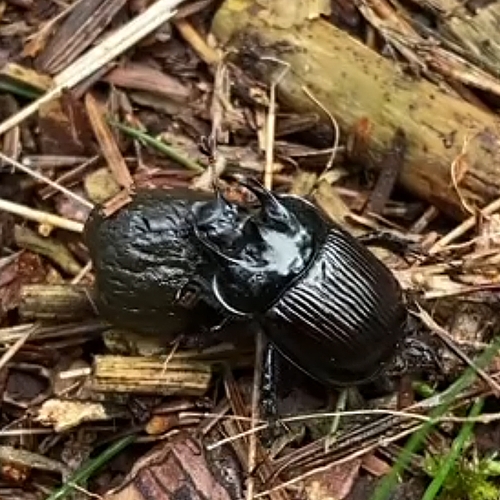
column 450, row 344
column 462, row 228
column 11, row 352
column 197, row 43
column 252, row 442
column 48, row 181
column 40, row 217
column 107, row 142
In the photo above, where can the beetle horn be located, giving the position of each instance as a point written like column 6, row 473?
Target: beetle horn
column 271, row 206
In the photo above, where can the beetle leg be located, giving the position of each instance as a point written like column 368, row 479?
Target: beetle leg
column 420, row 357
column 188, row 296
column 268, row 390
column 399, row 245
column 269, row 394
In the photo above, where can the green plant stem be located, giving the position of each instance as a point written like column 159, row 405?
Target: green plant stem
column 167, row 150
column 457, row 446
column 19, row 90
column 87, row 470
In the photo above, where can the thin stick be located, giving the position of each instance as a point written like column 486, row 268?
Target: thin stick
column 111, row 47
column 255, row 416
column 271, row 123
column 48, row 181
column 11, row 352
column 450, row 344
column 40, row 217
column 462, row 228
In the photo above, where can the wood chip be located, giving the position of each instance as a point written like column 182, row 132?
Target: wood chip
column 107, row 142
column 78, row 31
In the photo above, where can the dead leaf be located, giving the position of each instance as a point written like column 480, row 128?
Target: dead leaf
column 64, row 129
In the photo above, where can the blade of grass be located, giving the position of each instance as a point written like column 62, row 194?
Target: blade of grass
column 384, row 491
column 87, row 470
column 456, row 448
column 19, row 90
column 159, row 145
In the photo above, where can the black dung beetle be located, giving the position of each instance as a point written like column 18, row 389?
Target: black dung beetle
column 321, row 297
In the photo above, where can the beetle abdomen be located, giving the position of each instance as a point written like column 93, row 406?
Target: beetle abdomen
column 143, row 255
column 342, row 319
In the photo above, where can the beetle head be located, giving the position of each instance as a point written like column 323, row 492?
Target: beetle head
column 256, row 253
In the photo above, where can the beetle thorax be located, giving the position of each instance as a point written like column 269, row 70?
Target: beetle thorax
column 257, row 252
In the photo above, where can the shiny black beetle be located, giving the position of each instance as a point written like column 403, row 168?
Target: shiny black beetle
column 321, row 297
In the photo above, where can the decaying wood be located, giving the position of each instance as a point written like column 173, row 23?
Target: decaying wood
column 61, row 302
column 154, row 375
column 356, row 84
column 475, row 30
column 78, row 31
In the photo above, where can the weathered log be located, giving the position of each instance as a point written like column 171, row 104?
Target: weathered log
column 357, row 85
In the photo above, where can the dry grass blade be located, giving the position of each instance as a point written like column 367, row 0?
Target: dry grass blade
column 85, row 23
column 107, row 142
column 111, row 47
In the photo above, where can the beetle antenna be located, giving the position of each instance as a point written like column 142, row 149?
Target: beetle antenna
column 208, row 147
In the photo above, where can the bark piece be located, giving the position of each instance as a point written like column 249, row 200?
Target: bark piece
column 61, row 302
column 182, row 468
column 85, row 23
column 150, row 375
